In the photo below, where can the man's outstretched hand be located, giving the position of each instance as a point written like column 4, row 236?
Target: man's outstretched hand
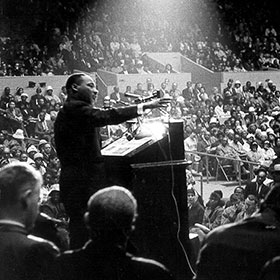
column 157, row 103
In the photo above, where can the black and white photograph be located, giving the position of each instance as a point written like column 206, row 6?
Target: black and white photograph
column 139, row 140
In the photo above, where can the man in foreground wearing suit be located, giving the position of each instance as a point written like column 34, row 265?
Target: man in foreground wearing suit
column 22, row 257
column 110, row 219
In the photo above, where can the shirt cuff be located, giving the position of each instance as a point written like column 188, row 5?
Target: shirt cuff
column 140, row 110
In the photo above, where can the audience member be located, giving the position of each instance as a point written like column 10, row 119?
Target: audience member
column 23, row 256
column 110, row 219
column 257, row 188
column 195, row 209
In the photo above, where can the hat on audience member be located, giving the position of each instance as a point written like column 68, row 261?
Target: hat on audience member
column 254, row 144
column 18, row 134
column 49, row 88
column 190, row 190
column 276, row 168
column 251, row 109
column 250, row 135
column 213, row 120
column 189, row 162
column 32, row 148
column 42, row 142
column 24, row 94
column 54, row 188
column 237, row 82
column 38, row 155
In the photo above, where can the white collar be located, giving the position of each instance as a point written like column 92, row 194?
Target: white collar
column 11, row 222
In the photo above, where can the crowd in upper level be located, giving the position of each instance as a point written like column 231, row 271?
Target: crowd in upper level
column 114, row 37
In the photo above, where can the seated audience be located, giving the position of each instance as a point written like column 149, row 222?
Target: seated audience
column 239, row 251
column 250, row 207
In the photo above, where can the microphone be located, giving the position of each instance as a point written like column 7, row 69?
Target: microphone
column 156, row 94
column 122, row 102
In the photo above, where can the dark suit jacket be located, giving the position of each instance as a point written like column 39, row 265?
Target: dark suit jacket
column 104, row 262
column 24, row 257
column 239, row 251
column 78, row 146
column 251, row 188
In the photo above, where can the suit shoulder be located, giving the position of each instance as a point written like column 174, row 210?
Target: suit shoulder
column 151, row 267
column 39, row 242
column 217, row 234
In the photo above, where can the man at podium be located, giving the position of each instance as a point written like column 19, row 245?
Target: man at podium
column 78, row 146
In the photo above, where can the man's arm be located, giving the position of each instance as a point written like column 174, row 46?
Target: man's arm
column 99, row 117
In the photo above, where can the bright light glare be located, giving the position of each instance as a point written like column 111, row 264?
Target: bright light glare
column 157, row 130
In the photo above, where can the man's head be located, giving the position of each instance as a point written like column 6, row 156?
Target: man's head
column 275, row 172
column 224, row 141
column 81, row 87
column 261, row 175
column 42, row 116
column 7, row 91
column 49, row 90
column 191, row 196
column 235, row 201
column 54, row 194
column 111, row 214
column 38, row 158
column 20, row 188
column 116, row 89
column 214, row 200
column 240, row 192
column 39, row 91
column 251, row 203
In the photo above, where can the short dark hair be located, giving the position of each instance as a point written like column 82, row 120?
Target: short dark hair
column 111, row 209
column 74, row 79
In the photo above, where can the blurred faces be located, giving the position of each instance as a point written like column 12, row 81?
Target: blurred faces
column 250, row 205
column 261, row 177
column 237, row 205
column 191, row 198
column 240, row 193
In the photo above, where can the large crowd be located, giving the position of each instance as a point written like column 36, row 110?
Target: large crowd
column 105, row 37
column 232, row 133
column 240, row 122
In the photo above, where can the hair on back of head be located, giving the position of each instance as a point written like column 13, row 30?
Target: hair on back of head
column 112, row 208
column 14, row 178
